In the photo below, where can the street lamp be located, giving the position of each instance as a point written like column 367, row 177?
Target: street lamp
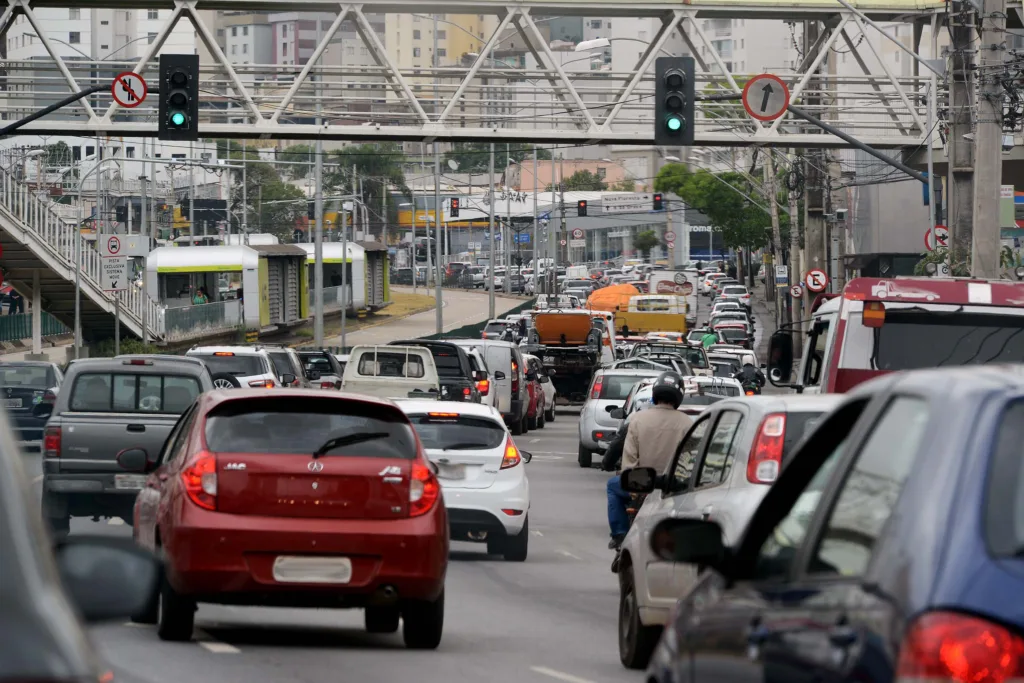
column 78, row 256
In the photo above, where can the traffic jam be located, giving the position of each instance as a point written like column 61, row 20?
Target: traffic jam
column 846, row 508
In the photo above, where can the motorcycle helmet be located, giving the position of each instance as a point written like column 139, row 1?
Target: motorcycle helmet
column 668, row 388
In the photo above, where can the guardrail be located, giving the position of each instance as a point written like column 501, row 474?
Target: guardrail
column 201, row 319
column 19, row 326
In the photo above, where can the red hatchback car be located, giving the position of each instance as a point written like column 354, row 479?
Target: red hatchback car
column 295, row 498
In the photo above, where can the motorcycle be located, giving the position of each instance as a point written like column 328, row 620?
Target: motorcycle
column 752, row 389
column 636, row 501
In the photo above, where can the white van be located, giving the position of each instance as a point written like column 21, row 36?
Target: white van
column 391, row 372
column 507, row 366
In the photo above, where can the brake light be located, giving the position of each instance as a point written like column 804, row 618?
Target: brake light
column 200, row 480
column 137, row 361
column 466, row 391
column 750, row 393
column 945, row 646
column 484, row 387
column 423, row 489
column 515, row 377
column 326, row 385
column 262, row 383
column 442, row 414
column 596, row 391
column 766, row 454
column 874, row 314
column 223, row 353
column 512, row 457
column 51, row 442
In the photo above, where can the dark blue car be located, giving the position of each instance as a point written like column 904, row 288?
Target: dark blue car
column 23, row 386
column 890, row 549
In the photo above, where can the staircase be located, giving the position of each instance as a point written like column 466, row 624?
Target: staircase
column 34, row 237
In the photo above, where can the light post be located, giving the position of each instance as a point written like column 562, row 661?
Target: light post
column 78, row 257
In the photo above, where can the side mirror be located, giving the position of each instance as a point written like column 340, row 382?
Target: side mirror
column 545, row 379
column 107, row 577
column 134, row 460
column 287, row 378
column 639, row 480
column 551, row 372
column 780, row 353
column 691, row 541
column 618, row 414
column 764, row 366
column 42, row 410
column 527, row 457
column 499, row 375
column 531, row 376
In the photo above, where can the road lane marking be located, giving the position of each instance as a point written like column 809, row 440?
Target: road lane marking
column 536, row 533
column 560, row 675
column 115, row 521
column 568, row 554
column 534, row 440
column 218, row 648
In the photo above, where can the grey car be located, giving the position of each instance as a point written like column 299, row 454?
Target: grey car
column 106, row 406
column 608, row 391
column 722, row 469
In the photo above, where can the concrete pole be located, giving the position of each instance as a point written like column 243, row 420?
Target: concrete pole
column 781, row 312
column 961, row 109
column 344, row 270
column 318, row 244
column 438, row 301
column 144, row 230
column 37, row 314
column 988, row 140
column 536, row 240
column 796, row 268
column 192, row 190
column 490, row 206
column 245, row 196
column 814, row 185
column 552, row 281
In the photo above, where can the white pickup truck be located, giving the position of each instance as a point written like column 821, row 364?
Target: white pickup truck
column 394, row 372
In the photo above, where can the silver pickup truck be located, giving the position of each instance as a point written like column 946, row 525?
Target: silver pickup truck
column 108, row 405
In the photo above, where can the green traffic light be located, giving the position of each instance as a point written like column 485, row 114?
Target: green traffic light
column 178, row 118
column 674, row 123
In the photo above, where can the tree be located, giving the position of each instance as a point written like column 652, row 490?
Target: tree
column 474, row 157
column 583, row 181
column 274, row 206
column 645, row 241
column 379, row 165
column 626, row 185
column 297, row 154
column 58, row 155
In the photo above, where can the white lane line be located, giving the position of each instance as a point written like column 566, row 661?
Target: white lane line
column 536, row 533
column 219, row 648
column 115, row 521
column 534, row 440
column 568, row 554
column 560, row 675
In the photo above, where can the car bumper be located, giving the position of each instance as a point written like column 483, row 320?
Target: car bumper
column 227, row 558
column 476, row 510
column 86, row 495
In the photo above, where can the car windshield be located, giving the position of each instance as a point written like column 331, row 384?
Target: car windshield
column 104, row 392
column 231, row 364
column 733, row 334
column 318, row 363
column 617, row 387
column 448, row 431
column 724, row 368
column 300, row 426
column 390, row 364
column 734, row 290
column 721, row 389
column 495, row 327
column 31, row 376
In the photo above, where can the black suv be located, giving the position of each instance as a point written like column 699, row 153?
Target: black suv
column 458, row 379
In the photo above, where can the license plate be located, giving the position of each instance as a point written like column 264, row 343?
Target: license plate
column 129, row 481
column 297, row 569
column 451, row 471
column 12, row 403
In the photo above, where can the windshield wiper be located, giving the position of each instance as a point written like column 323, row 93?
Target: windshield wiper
column 462, row 446
column 350, row 440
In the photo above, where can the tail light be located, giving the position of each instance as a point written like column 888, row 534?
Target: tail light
column 766, row 454
column 200, row 480
column 262, row 383
column 749, row 392
column 51, row 442
column 484, row 387
column 466, row 392
column 515, row 377
column 423, row 489
column 945, row 646
column 512, row 457
column 326, row 385
column 596, row 391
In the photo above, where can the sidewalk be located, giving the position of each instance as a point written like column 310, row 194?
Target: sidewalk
column 764, row 315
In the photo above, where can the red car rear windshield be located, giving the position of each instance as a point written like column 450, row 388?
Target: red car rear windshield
column 300, row 426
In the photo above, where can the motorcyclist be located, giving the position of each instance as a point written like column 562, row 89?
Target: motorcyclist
column 749, row 374
column 708, row 339
column 651, row 440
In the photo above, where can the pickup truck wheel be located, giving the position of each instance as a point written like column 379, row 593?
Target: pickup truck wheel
column 177, row 615
column 540, row 420
column 585, row 457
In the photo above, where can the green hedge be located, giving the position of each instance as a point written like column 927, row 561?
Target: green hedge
column 475, row 330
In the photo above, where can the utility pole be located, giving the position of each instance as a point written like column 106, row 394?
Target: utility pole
column 191, row 191
column 565, row 228
column 796, row 267
column 144, row 230
column 988, row 166
column 551, row 273
column 490, row 206
column 536, row 235
column 344, row 270
column 781, row 312
column 438, row 301
column 814, row 186
column 318, row 211
column 961, row 148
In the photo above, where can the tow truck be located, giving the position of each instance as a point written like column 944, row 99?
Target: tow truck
column 876, row 326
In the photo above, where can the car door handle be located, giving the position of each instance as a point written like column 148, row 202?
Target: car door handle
column 706, row 512
column 842, row 636
column 136, row 428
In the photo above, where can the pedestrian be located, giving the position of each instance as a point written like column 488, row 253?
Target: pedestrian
column 12, row 303
column 200, row 297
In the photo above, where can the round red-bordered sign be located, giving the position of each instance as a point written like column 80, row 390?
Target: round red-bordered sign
column 765, row 97
column 129, row 89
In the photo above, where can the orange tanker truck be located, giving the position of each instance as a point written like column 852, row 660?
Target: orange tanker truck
column 570, row 345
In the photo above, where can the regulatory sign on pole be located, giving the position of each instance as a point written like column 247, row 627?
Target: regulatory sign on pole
column 765, row 97
column 577, row 244
column 936, row 237
column 670, row 236
column 816, row 280
column 110, row 245
column 114, row 274
column 577, row 234
column 796, row 291
column 781, row 276
column 129, row 89
column 561, row 242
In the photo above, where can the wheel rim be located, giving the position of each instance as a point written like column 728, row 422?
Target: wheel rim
column 627, row 608
column 222, row 384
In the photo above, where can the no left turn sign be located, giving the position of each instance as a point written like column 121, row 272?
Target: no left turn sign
column 816, row 280
column 936, row 237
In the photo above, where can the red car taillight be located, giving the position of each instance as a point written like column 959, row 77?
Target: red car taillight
column 515, row 377
column 423, row 490
column 200, row 481
column 262, row 383
column 512, row 457
column 596, row 391
column 766, row 454
column 484, row 387
column 326, row 385
column 467, row 392
column 945, row 646
column 51, row 442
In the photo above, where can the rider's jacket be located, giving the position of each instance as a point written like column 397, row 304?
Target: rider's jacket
column 653, row 436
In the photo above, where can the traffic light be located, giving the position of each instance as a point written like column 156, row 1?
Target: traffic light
column 311, row 209
column 454, row 207
column 581, row 207
column 673, row 104
column 179, row 97
column 658, row 204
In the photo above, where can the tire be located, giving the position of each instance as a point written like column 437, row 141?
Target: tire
column 525, row 426
column 515, row 547
column 531, row 423
column 550, row 415
column 636, row 641
column 516, row 427
column 223, row 380
column 423, row 623
column 541, row 420
column 151, row 612
column 381, row 619
column 585, row 457
column 58, row 521
column 177, row 615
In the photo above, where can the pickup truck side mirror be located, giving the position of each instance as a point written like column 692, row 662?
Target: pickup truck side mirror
column 499, row 375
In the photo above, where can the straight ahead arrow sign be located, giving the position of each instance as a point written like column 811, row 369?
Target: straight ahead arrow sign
column 767, row 90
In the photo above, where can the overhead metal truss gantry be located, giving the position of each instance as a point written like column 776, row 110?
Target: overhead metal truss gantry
column 482, row 98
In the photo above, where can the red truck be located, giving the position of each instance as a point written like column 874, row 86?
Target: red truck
column 876, row 326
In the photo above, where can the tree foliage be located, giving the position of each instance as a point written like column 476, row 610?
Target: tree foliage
column 379, row 165
column 295, row 155
column 583, row 181
column 625, row 185
column 274, row 206
column 959, row 262
column 644, row 241
column 474, row 157
column 58, row 155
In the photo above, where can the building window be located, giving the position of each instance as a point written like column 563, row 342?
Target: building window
column 442, row 35
column 363, row 50
column 596, row 23
column 415, row 52
column 74, row 13
column 350, row 50
column 220, row 33
column 234, row 31
column 284, row 48
column 234, row 49
column 151, row 37
column 129, row 152
column 104, row 23
column 75, row 37
column 104, row 47
column 415, row 18
column 284, row 30
column 416, row 35
column 245, row 48
column 245, row 30
column 602, row 172
column 153, row 14
column 441, row 52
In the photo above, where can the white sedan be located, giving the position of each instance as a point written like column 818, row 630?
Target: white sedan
column 482, row 473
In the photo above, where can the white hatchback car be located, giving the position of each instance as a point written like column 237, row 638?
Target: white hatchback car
column 482, row 473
